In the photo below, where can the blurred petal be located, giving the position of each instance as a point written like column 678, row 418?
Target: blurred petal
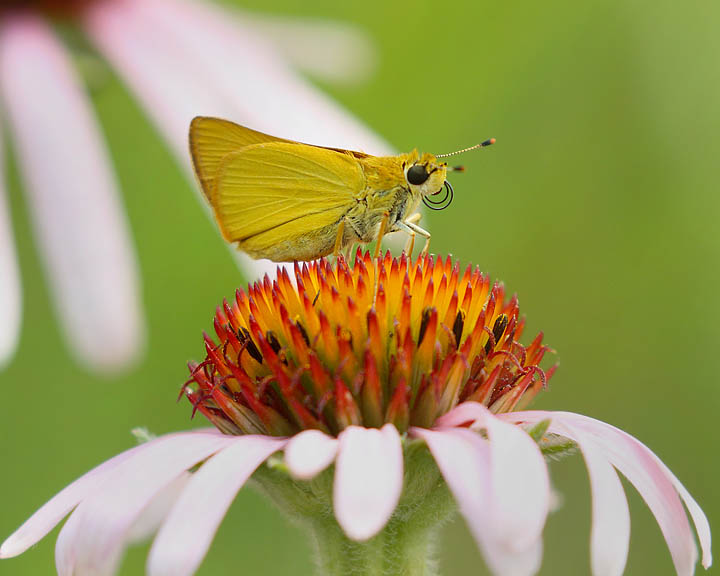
column 260, row 89
column 10, row 293
column 186, row 535
column 330, row 50
column 78, row 218
column 185, row 59
column 108, row 514
column 643, row 469
column 155, row 69
column 465, row 461
column 368, row 479
column 309, row 453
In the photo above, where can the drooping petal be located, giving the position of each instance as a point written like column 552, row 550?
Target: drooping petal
column 10, row 293
column 77, row 214
column 144, row 527
column 309, row 453
column 521, row 485
column 644, row 471
column 634, row 461
column 64, row 551
column 186, row 535
column 368, row 479
column 107, row 515
column 464, row 459
column 52, row 512
column 155, row 513
column 610, row 535
column 702, row 526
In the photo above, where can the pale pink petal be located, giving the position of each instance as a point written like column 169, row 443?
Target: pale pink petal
column 51, row 513
column 184, row 59
column 106, row 517
column 330, row 50
column 74, row 202
column 249, row 74
column 64, row 551
column 465, row 461
column 154, row 67
column 368, row 479
column 144, row 526
column 158, row 72
column 521, row 485
column 610, row 537
column 309, row 453
column 10, row 294
column 155, row 513
column 702, row 526
column 463, row 458
column 186, row 535
column 644, row 471
column 462, row 414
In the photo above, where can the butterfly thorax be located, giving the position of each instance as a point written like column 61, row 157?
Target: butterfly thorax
column 386, row 191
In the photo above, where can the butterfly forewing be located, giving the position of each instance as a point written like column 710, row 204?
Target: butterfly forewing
column 211, row 139
column 276, row 184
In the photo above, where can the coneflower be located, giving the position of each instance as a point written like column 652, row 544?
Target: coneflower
column 368, row 402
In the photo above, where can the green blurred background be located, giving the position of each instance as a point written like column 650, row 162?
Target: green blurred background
column 598, row 205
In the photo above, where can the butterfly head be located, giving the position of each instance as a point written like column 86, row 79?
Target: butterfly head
column 425, row 174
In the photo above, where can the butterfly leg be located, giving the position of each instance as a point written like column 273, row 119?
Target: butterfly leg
column 349, row 251
column 339, row 238
column 410, row 244
column 412, row 229
column 381, row 233
column 413, row 218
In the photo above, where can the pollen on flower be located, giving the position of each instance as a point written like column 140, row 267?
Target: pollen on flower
column 391, row 340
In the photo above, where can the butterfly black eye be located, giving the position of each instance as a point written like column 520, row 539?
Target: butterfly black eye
column 417, row 174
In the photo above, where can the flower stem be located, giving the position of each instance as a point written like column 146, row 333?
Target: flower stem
column 404, row 547
column 397, row 550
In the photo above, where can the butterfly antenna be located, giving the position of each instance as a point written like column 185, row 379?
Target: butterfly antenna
column 488, row 142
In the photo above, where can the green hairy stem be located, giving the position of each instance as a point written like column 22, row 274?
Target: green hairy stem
column 404, row 547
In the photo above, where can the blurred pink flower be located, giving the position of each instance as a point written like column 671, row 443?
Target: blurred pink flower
column 181, row 58
column 308, row 369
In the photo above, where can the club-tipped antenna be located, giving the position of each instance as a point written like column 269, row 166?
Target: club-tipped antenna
column 488, row 142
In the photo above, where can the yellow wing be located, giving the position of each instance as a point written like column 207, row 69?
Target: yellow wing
column 211, row 139
column 283, row 193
